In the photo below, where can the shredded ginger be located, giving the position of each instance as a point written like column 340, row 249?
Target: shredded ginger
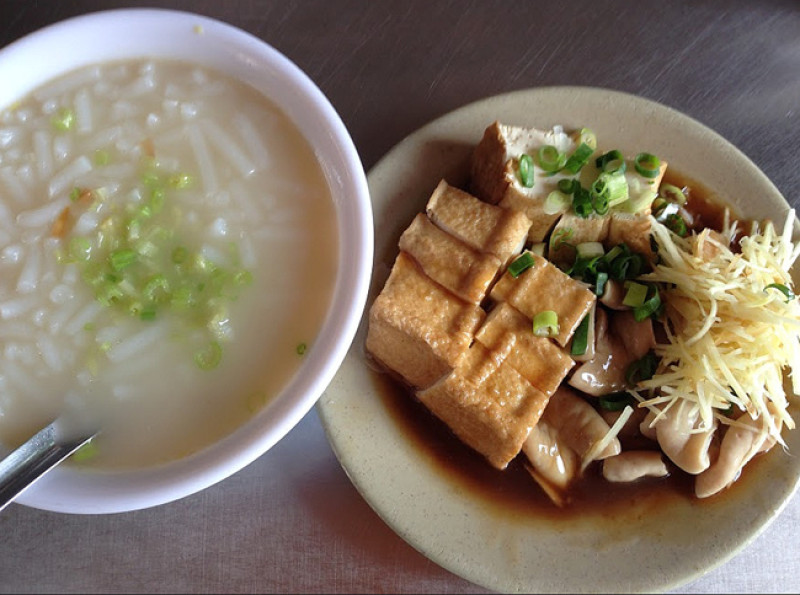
column 731, row 340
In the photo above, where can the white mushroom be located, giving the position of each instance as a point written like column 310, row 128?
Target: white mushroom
column 631, row 465
column 552, row 464
column 683, row 441
column 743, row 439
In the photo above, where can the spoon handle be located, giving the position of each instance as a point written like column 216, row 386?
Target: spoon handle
column 40, row 453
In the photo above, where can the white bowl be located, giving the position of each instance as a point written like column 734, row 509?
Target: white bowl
column 134, row 33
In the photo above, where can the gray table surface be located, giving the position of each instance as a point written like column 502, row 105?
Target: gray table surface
column 292, row 521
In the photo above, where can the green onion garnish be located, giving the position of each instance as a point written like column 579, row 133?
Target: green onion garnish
column 608, row 190
column 580, row 340
column 652, row 306
column 567, row 185
column 647, row 164
column 673, row 194
column 522, row 263
column 579, row 158
column 616, row 401
column 635, row 295
column 526, row 170
column 611, row 161
column 120, row 259
column 582, row 203
column 642, row 369
column 301, row 348
column 64, row 120
column 545, row 324
column 675, row 223
column 556, row 202
column 788, row 293
column 551, row 159
column 210, row 357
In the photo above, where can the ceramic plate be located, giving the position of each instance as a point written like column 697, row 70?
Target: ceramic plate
column 448, row 516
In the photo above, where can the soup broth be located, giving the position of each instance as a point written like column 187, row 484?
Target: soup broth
column 119, row 164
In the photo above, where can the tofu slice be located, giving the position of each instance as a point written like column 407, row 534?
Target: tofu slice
column 447, row 260
column 485, row 227
column 538, row 359
column 487, row 404
column 417, row 328
column 546, row 287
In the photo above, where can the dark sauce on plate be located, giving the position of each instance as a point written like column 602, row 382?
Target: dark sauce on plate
column 513, row 490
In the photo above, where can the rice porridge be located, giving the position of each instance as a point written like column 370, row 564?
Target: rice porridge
column 168, row 252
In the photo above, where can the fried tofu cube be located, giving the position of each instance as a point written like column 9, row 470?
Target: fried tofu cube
column 447, row 260
column 546, row 287
column 487, row 404
column 633, row 230
column 417, row 328
column 495, row 177
column 538, row 359
column 572, row 230
column 485, row 227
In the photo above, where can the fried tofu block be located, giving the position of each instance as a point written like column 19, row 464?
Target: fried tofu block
column 546, row 287
column 572, row 230
column 487, row 404
column 495, row 178
column 633, row 230
column 485, row 227
column 447, row 260
column 417, row 328
column 538, row 359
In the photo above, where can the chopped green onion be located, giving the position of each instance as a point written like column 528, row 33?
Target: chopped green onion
column 120, row 259
column 101, row 157
column 642, row 369
column 788, row 293
column 560, row 237
column 588, row 137
column 616, row 401
column 210, row 357
column 590, row 249
column 522, row 263
column 551, row 159
column 526, row 170
column 652, row 306
column 611, row 162
column 608, row 190
column 545, row 324
column 580, row 340
column 676, row 224
column 64, row 120
column 647, row 164
column 600, row 283
column 87, row 451
column 582, row 203
column 635, row 295
column 673, row 194
column 301, row 348
column 180, row 181
column 579, row 158
column 567, row 185
column 80, row 248
column 556, row 202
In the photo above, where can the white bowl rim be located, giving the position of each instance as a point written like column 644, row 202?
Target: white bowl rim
column 74, row 491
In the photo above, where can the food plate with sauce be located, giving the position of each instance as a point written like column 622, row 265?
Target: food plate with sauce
column 495, row 528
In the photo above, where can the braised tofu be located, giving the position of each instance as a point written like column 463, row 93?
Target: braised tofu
column 487, row 404
column 417, row 328
column 572, row 230
column 495, row 172
column 546, row 287
column 543, row 363
column 485, row 227
column 633, row 230
column 447, row 260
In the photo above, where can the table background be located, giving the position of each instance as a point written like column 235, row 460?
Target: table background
column 291, row 521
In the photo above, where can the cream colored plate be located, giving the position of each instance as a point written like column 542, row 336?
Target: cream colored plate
column 642, row 550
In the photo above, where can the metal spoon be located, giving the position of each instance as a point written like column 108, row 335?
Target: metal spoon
column 35, row 457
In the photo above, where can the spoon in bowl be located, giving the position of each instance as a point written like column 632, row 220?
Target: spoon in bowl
column 35, row 457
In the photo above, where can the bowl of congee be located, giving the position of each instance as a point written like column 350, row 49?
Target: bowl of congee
column 185, row 250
